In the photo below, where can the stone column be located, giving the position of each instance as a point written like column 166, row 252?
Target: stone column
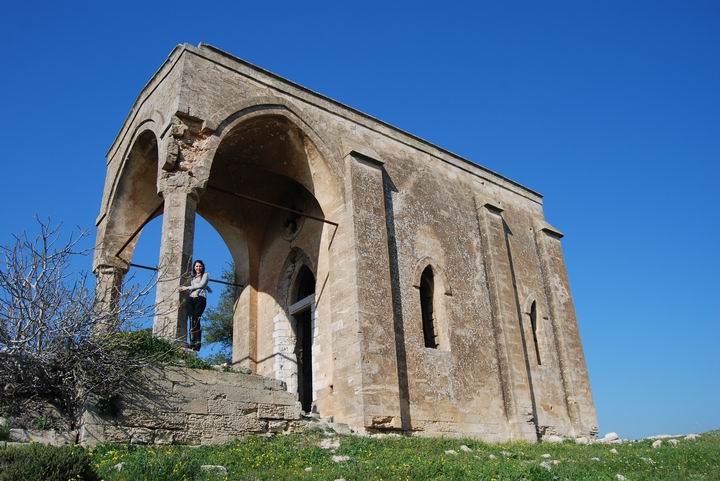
column 380, row 395
column 573, row 369
column 514, row 375
column 108, row 288
column 176, row 247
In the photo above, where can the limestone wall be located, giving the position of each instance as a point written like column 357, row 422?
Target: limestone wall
column 504, row 369
column 191, row 406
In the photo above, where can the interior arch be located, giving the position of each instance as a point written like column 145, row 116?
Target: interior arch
column 135, row 200
column 271, row 189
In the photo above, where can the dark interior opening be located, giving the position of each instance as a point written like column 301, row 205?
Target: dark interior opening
column 304, row 287
column 427, row 289
column 533, row 323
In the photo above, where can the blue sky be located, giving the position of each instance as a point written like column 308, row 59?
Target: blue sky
column 610, row 109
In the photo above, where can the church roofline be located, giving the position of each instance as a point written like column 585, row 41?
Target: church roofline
column 177, row 52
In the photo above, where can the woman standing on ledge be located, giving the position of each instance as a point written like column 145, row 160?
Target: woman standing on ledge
column 196, row 302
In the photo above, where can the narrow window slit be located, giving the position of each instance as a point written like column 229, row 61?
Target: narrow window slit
column 427, row 292
column 533, row 323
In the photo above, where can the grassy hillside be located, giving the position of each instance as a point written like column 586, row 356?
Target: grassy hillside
column 301, row 457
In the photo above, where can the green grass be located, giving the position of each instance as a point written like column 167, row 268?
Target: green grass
column 412, row 458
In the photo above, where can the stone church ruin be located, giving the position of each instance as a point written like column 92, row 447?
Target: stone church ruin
column 388, row 284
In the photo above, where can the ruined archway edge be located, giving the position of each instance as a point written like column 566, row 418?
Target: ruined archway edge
column 402, row 203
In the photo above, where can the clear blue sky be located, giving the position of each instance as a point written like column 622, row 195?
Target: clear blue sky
column 610, row 109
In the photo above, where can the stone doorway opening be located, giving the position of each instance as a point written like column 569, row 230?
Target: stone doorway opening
column 303, row 323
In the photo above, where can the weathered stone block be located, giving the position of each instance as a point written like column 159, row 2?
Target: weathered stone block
column 141, row 436
column 189, row 437
column 250, row 424
column 195, row 406
column 277, row 426
column 292, row 412
column 225, row 406
column 283, row 398
column 296, row 427
column 116, row 434
column 164, row 436
column 270, row 411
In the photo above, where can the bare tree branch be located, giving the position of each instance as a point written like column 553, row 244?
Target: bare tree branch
column 50, row 348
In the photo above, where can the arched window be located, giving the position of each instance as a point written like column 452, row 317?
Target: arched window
column 304, row 284
column 533, row 323
column 427, row 294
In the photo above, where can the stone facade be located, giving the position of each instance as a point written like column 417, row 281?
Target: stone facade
column 389, row 283
column 177, row 405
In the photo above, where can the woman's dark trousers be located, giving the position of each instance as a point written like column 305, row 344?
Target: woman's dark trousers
column 195, row 308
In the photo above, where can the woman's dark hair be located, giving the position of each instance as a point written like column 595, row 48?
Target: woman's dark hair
column 198, row 261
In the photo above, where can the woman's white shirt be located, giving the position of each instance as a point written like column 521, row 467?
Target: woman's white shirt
column 198, row 285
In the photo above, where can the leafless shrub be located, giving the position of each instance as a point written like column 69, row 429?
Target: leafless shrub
column 51, row 350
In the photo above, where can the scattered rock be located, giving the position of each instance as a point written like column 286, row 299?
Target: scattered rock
column 340, row 479
column 546, row 456
column 690, row 437
column 342, row 428
column 657, row 444
column 340, row 459
column 595, row 459
column 648, row 460
column 610, row 438
column 451, row 452
column 465, row 449
column 556, row 462
column 674, row 442
column 492, row 456
column 547, row 465
column 330, row 443
column 214, row 469
column 3, row 422
column 19, row 435
column 308, row 469
column 552, row 439
column 506, row 453
column 620, row 477
column 119, row 466
column 582, row 441
column 614, row 451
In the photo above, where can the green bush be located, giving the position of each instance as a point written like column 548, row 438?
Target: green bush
column 141, row 344
column 42, row 422
column 37, row 462
column 5, row 431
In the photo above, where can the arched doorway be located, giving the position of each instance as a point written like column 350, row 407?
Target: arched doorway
column 301, row 310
